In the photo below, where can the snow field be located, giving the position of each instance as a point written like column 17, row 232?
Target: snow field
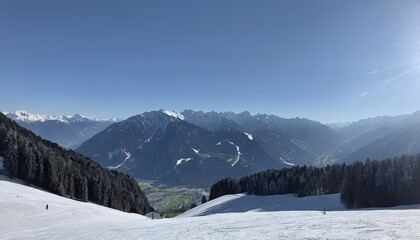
column 23, row 216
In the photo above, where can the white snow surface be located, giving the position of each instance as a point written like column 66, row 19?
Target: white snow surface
column 238, row 203
column 182, row 160
column 173, row 114
column 286, row 162
column 25, row 116
column 250, row 137
column 238, row 153
column 23, row 216
column 195, row 150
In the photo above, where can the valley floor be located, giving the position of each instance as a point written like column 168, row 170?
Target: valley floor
column 23, row 216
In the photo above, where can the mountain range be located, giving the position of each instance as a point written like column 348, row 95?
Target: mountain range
column 194, row 147
column 199, row 148
column 164, row 145
column 67, row 131
column 380, row 137
column 44, row 164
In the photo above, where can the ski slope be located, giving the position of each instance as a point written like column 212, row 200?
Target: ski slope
column 238, row 203
column 23, row 216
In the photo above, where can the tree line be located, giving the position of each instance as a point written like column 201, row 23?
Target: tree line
column 64, row 172
column 379, row 183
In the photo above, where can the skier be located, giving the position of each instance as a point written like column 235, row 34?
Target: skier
column 46, row 207
column 324, row 212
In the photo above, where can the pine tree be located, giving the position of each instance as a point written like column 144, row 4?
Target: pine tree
column 70, row 188
column 23, row 160
column 272, row 188
column 11, row 158
column 3, row 140
column 85, row 192
column 50, row 174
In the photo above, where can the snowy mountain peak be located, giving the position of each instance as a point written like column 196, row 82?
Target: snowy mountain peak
column 173, row 114
column 25, row 116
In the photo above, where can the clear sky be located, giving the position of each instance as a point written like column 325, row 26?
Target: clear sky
column 324, row 60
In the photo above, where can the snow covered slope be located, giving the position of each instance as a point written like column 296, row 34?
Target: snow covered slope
column 245, row 203
column 23, row 216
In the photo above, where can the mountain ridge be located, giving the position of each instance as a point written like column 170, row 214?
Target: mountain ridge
column 68, row 131
column 157, row 144
column 190, row 146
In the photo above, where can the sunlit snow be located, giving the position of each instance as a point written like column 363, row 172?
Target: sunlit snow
column 182, row 160
column 173, row 114
column 23, row 216
column 238, row 156
column 25, row 116
column 249, row 136
column 286, row 162
column 195, row 150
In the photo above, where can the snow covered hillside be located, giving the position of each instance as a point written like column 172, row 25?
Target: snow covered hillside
column 238, row 203
column 23, row 216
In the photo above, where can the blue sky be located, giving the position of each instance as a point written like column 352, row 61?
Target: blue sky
column 324, row 60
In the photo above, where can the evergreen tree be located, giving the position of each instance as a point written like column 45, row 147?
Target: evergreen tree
column 65, row 172
column 85, row 192
column 11, row 163
column 3, row 140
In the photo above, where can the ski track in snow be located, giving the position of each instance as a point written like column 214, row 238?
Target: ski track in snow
column 238, row 152
column 127, row 154
column 287, row 163
column 25, row 217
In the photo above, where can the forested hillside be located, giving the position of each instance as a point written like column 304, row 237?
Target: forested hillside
column 64, row 172
column 384, row 183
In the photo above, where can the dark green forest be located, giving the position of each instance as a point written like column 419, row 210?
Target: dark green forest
column 66, row 173
column 384, row 183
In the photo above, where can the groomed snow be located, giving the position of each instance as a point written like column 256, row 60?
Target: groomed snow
column 246, row 203
column 23, row 216
column 250, row 137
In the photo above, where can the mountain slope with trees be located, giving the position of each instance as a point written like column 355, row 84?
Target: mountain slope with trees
column 389, row 182
column 198, row 148
column 68, row 131
column 64, row 172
